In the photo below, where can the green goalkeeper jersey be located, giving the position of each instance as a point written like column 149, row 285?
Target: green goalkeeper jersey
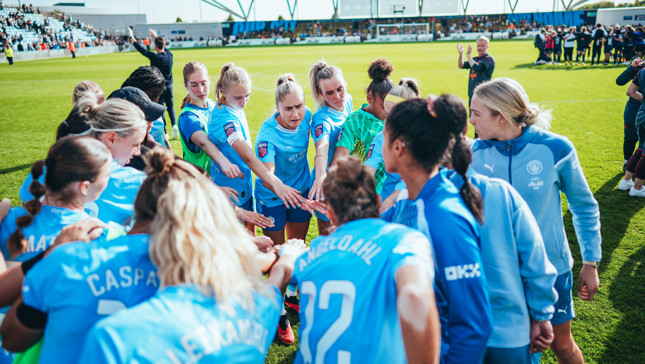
column 358, row 131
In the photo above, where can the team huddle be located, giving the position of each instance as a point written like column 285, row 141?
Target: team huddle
column 432, row 247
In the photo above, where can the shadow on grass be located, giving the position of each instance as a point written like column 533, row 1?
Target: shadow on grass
column 563, row 67
column 15, row 168
column 625, row 344
column 616, row 211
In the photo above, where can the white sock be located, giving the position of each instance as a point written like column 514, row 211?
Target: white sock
column 291, row 290
column 283, row 312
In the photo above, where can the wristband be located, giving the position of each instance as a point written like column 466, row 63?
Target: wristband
column 593, row 264
column 26, row 265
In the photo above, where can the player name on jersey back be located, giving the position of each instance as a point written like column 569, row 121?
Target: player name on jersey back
column 365, row 250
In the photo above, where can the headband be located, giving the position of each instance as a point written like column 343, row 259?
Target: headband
column 115, row 129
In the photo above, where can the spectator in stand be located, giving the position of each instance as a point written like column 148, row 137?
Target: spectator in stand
column 163, row 60
column 599, row 35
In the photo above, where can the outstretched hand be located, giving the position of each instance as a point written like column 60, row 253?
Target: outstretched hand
column 460, row 48
column 470, row 50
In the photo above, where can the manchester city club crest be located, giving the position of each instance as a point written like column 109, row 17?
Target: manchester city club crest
column 534, row 167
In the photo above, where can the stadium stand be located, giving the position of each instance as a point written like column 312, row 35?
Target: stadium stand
column 28, row 30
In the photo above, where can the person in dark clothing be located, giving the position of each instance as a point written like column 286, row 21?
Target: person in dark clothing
column 558, row 41
column 630, row 40
column 598, row 36
column 630, row 139
column 163, row 60
column 539, row 43
column 582, row 43
column 481, row 67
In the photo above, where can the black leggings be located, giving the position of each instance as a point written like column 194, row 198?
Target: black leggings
column 568, row 54
column 596, row 53
column 630, row 139
column 628, row 52
column 168, row 99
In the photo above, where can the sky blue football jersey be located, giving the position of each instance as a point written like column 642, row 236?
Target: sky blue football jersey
column 386, row 183
column 116, row 203
column 228, row 125
column 460, row 285
column 42, row 231
column 180, row 324
column 157, row 131
column 347, row 286
column 287, row 149
column 80, row 283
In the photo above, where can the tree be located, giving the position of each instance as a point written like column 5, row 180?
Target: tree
column 280, row 17
column 600, row 5
column 230, row 17
column 179, row 20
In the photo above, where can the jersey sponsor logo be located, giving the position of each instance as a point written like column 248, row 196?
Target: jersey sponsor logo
column 536, row 183
column 318, row 131
column 462, row 272
column 340, row 134
column 490, row 167
column 262, row 149
column 473, row 74
column 534, row 167
column 229, row 129
column 369, row 152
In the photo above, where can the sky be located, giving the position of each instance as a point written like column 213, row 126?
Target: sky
column 166, row 11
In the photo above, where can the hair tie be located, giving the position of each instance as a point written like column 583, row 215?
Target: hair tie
column 394, row 99
column 431, row 100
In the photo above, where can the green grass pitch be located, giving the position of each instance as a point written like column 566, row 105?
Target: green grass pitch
column 587, row 107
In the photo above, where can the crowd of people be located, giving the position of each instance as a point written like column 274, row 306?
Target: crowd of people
column 37, row 33
column 602, row 44
column 421, row 256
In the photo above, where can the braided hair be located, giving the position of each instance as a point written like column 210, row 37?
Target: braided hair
column 71, row 159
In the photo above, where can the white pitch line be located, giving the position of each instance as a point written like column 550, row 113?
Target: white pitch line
column 574, row 101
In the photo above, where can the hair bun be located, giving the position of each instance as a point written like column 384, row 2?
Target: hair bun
column 380, row 70
column 349, row 172
column 287, row 77
column 450, row 109
column 159, row 161
column 88, row 105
